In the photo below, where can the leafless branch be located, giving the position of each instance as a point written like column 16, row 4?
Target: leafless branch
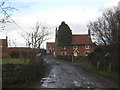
column 38, row 35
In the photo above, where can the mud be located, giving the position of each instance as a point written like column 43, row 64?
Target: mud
column 71, row 75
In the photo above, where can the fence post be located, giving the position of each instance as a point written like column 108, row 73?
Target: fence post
column 98, row 64
column 72, row 58
column 109, row 67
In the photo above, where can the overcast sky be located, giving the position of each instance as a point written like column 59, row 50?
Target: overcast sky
column 76, row 13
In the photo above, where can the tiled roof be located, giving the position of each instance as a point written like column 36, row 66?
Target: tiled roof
column 19, row 48
column 51, row 44
column 2, row 40
column 81, row 39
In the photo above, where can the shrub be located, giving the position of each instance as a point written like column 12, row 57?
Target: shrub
column 99, row 55
column 24, row 74
column 67, row 58
column 15, row 54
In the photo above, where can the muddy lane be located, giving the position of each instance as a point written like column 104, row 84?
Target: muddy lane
column 66, row 75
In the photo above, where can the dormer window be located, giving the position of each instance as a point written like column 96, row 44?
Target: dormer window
column 87, row 46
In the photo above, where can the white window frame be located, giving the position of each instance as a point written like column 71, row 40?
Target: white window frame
column 87, row 46
column 1, row 46
column 64, row 47
column 53, row 49
column 50, row 49
column 86, row 53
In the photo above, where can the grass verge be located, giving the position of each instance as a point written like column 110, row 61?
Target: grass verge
column 15, row 61
column 80, row 60
column 110, row 75
column 75, row 60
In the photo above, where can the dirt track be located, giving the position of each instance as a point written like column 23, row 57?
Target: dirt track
column 71, row 75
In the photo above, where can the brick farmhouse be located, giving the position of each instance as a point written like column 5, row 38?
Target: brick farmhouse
column 81, row 45
column 17, row 52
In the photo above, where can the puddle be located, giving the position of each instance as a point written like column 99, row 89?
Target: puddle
column 77, row 84
column 88, row 85
column 62, row 75
column 46, row 81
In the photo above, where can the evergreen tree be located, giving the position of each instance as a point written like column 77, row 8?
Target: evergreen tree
column 64, row 34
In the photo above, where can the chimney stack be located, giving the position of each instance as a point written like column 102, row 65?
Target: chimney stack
column 89, row 32
column 56, row 32
column 6, row 41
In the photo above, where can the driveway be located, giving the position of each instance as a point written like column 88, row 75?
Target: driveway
column 71, row 75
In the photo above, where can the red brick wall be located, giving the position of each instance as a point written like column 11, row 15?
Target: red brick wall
column 69, row 50
column 22, row 49
column 4, row 48
column 50, row 47
column 5, row 51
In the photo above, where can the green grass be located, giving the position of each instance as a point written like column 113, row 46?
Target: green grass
column 14, row 61
column 80, row 60
column 110, row 75
column 75, row 60
column 91, row 68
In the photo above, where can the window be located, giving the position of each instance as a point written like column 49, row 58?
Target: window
column 87, row 47
column 64, row 47
column 86, row 53
column 1, row 46
column 50, row 50
column 53, row 49
column 63, row 53
column 74, row 47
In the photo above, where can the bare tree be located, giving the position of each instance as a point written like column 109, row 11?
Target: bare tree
column 105, row 30
column 98, row 32
column 38, row 35
column 5, row 13
column 112, row 17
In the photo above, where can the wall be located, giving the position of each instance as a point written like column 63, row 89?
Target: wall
column 69, row 50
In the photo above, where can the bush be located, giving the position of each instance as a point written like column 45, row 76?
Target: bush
column 33, row 71
column 24, row 74
column 99, row 55
column 75, row 59
column 67, row 58
column 15, row 54
column 80, row 59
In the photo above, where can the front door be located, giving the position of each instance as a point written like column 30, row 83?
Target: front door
column 75, row 54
